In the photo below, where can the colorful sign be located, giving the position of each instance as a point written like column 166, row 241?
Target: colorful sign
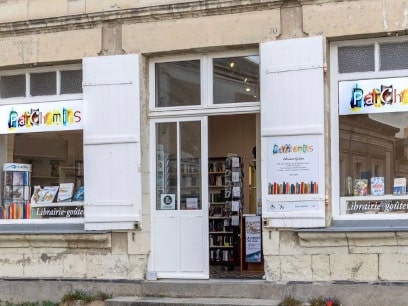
column 293, row 165
column 41, row 117
column 373, row 96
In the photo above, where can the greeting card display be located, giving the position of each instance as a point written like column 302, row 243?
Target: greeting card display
column 16, row 191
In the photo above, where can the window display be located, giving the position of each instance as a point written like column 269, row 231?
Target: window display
column 372, row 130
column 46, row 176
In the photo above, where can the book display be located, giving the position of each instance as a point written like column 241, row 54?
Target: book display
column 16, row 191
column 225, row 196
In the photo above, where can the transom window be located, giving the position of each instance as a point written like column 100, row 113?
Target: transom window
column 180, row 83
column 41, row 82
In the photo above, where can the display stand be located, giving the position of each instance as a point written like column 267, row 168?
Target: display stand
column 16, row 191
column 225, row 196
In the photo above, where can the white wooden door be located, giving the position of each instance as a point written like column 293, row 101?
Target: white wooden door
column 180, row 205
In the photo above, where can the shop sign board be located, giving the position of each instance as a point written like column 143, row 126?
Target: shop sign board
column 377, row 206
column 41, row 117
column 373, row 96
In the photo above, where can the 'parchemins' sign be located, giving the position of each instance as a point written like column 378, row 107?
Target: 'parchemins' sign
column 373, row 96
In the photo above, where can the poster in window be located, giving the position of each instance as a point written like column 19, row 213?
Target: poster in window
column 292, row 165
column 252, row 239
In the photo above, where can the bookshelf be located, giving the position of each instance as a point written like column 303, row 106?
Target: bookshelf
column 225, row 207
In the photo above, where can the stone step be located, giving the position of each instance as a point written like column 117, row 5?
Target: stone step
column 131, row 301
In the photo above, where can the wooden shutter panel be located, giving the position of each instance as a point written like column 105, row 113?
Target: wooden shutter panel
column 112, row 142
column 292, row 110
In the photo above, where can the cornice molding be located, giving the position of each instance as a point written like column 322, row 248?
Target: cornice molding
column 190, row 9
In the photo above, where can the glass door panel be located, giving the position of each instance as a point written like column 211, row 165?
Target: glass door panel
column 190, row 162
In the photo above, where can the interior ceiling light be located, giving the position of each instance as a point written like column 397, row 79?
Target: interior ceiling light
column 245, row 80
column 247, row 89
column 232, row 64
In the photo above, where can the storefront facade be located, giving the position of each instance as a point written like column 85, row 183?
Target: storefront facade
column 326, row 103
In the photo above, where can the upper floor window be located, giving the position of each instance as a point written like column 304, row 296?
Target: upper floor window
column 41, row 82
column 231, row 80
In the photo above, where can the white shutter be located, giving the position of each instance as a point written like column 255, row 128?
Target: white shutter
column 112, row 142
column 292, row 112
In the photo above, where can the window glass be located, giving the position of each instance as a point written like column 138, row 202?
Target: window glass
column 373, row 135
column 71, row 81
column 44, row 176
column 236, row 79
column 42, row 84
column 178, row 83
column 166, row 166
column 356, row 58
column 393, row 56
column 190, row 164
column 13, row 86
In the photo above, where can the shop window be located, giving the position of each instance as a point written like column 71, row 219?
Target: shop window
column 41, row 145
column 372, row 131
column 236, row 79
column 44, row 176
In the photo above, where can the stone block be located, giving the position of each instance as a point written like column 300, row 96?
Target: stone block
column 296, row 268
column 270, row 242
column 12, row 264
column 107, row 267
column 321, row 267
column 74, row 265
column 43, row 265
column 38, row 9
column 188, row 33
column 342, row 18
column 272, row 268
column 119, row 243
column 313, row 240
column 138, row 242
column 290, row 244
column 12, row 11
column 76, row 7
column 393, row 267
column 354, row 267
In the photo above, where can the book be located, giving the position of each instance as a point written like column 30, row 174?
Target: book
column 400, row 186
column 360, row 187
column 79, row 194
column 47, row 194
column 377, row 185
column 65, row 192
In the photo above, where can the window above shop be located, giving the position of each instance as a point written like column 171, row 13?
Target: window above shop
column 225, row 79
column 40, row 82
column 370, row 138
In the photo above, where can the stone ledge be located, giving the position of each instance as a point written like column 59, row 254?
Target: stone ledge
column 84, row 241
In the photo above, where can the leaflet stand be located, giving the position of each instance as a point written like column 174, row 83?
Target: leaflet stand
column 16, row 191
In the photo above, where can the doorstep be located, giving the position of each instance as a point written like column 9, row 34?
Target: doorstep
column 130, row 301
